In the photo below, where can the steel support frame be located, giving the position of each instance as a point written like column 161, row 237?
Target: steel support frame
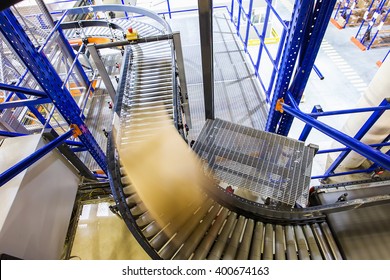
column 23, row 90
column 354, row 144
column 306, row 32
column 45, row 74
column 25, row 102
column 69, row 51
column 102, row 70
column 182, row 76
column 296, row 30
column 359, row 135
column 206, row 42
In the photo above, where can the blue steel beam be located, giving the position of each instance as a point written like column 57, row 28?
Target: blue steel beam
column 368, row 170
column 31, row 159
column 359, row 135
column 262, row 37
column 26, row 102
column 307, row 129
column 50, row 82
column 24, row 90
column 327, row 151
column 350, row 111
column 11, row 134
column 359, row 147
column 290, row 55
column 15, row 134
column 248, row 25
column 310, row 46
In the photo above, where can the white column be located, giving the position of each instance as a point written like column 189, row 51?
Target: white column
column 378, row 89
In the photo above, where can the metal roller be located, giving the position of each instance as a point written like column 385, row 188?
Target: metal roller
column 196, row 236
column 232, row 247
column 243, row 250
column 219, row 245
column 311, row 242
column 168, row 251
column 144, row 219
column 139, row 209
column 322, row 242
column 129, row 190
column 133, row 199
column 125, row 180
column 208, row 240
column 257, row 242
column 301, row 242
column 151, row 230
column 268, row 243
column 291, row 246
column 212, row 231
column 332, row 243
column 162, row 237
column 280, row 251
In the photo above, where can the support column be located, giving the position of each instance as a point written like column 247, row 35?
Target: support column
column 45, row 74
column 206, row 43
column 182, row 76
column 306, row 31
column 102, row 71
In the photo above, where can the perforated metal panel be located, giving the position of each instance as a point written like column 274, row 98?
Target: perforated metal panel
column 268, row 164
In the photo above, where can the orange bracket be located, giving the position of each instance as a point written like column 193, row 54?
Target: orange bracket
column 76, row 130
column 335, row 23
column 358, row 44
column 279, row 105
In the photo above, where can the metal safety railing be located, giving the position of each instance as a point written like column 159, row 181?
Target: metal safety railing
column 45, row 103
column 371, row 152
column 267, row 67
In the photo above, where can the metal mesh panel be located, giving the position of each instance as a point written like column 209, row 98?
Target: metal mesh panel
column 267, row 164
column 33, row 21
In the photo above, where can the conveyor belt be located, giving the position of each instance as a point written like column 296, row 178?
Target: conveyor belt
column 360, row 233
column 223, row 226
column 228, row 228
column 148, row 88
column 218, row 232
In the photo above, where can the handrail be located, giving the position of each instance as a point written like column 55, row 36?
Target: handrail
column 351, row 143
column 121, row 8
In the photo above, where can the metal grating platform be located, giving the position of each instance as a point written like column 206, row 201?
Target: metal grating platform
column 238, row 94
column 267, row 164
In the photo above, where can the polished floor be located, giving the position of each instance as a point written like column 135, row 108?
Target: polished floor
column 102, row 235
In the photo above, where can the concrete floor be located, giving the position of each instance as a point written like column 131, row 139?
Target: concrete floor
column 101, row 235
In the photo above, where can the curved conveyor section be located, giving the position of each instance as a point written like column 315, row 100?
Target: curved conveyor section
column 223, row 226
column 219, row 232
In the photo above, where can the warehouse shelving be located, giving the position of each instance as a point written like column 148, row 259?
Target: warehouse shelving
column 373, row 31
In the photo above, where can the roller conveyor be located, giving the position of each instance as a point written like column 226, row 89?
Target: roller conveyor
column 218, row 229
column 215, row 232
column 223, row 226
